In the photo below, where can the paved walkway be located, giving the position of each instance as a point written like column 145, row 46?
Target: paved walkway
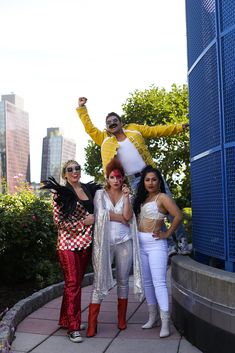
column 39, row 332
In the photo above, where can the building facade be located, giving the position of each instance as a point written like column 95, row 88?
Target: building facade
column 14, row 141
column 56, row 150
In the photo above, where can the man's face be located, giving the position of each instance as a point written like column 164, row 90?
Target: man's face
column 113, row 124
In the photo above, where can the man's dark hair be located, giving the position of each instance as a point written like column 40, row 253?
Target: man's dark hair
column 113, row 114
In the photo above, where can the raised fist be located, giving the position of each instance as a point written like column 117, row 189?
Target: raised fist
column 82, row 101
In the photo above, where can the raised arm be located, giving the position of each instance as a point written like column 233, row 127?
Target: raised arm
column 127, row 209
column 96, row 135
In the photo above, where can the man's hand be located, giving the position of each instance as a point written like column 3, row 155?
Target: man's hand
column 82, row 101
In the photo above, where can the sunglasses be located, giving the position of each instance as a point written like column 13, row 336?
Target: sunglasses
column 75, row 169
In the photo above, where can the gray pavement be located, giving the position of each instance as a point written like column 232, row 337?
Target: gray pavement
column 40, row 333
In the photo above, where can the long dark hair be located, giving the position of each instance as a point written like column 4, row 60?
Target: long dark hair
column 142, row 193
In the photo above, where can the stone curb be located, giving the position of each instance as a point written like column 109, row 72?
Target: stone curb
column 28, row 305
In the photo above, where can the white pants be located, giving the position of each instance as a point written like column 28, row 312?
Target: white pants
column 154, row 259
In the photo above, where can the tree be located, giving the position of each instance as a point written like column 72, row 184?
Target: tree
column 93, row 162
column 151, row 107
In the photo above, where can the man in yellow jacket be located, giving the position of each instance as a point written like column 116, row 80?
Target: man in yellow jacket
column 128, row 145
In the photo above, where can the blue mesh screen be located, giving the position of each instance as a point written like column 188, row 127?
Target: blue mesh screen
column 207, row 206
column 230, row 169
column 227, row 9
column 200, row 27
column 204, row 104
column 212, row 125
column 228, row 66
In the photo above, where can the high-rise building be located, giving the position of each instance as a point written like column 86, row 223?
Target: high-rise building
column 56, row 150
column 14, row 140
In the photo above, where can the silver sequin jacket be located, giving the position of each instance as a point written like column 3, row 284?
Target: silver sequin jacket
column 103, row 280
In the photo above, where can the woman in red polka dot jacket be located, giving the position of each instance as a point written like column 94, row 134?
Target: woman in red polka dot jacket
column 73, row 215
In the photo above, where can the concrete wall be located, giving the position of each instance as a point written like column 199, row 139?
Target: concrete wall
column 203, row 305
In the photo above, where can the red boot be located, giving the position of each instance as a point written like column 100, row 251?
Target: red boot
column 122, row 307
column 94, row 310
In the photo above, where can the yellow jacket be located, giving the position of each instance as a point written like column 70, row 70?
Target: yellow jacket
column 135, row 132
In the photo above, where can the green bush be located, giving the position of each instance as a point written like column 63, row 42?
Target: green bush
column 187, row 220
column 27, row 238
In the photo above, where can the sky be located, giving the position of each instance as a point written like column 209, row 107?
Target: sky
column 53, row 51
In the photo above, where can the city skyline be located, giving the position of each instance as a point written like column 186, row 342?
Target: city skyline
column 102, row 50
column 15, row 147
column 14, row 141
column 56, row 150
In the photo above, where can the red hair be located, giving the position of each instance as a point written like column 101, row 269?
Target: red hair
column 114, row 164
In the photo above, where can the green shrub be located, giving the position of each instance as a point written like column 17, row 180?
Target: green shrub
column 187, row 220
column 27, row 238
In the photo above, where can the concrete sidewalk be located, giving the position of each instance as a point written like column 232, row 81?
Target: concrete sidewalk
column 40, row 333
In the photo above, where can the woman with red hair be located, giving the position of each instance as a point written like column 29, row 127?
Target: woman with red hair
column 115, row 237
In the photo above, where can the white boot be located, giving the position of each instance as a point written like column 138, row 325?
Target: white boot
column 165, row 328
column 154, row 317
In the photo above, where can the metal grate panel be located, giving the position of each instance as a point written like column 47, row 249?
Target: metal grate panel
column 230, row 169
column 227, row 9
column 211, row 60
column 207, row 206
column 204, row 104
column 228, row 67
column 200, row 27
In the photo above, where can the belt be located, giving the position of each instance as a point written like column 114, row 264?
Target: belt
column 136, row 175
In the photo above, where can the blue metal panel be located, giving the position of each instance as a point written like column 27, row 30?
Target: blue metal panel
column 211, row 77
column 204, row 104
column 230, row 168
column 228, row 67
column 207, row 206
column 227, row 10
column 201, row 26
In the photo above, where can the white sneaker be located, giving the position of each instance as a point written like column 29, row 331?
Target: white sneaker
column 172, row 250
column 183, row 247
column 75, row 337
